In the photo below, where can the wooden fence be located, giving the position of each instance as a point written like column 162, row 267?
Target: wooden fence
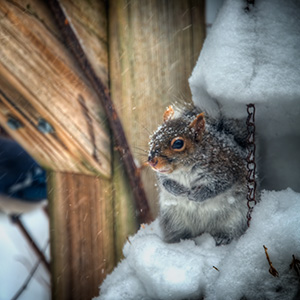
column 142, row 53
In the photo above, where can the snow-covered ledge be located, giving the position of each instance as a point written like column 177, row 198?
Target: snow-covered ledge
column 155, row 270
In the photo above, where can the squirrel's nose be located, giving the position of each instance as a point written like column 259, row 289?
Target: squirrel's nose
column 152, row 162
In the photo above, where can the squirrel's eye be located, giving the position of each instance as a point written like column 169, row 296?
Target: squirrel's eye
column 178, row 144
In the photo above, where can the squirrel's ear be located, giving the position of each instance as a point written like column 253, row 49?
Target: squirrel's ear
column 198, row 124
column 169, row 113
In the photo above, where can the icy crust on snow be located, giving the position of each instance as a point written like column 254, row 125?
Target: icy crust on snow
column 252, row 57
column 153, row 269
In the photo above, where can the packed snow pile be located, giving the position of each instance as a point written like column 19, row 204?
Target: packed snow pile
column 253, row 56
column 197, row 268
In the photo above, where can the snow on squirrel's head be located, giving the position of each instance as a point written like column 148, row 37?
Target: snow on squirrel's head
column 172, row 145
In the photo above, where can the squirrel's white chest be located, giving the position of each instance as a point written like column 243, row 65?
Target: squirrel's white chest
column 188, row 178
column 199, row 217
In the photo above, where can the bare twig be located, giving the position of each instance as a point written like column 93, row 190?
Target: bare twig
column 39, row 253
column 272, row 270
column 111, row 113
column 30, row 276
column 295, row 264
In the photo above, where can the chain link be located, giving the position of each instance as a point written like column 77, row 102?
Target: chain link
column 251, row 165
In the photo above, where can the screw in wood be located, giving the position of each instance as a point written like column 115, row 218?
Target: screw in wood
column 44, row 126
column 14, row 123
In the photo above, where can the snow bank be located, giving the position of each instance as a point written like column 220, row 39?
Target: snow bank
column 254, row 57
column 153, row 269
column 251, row 57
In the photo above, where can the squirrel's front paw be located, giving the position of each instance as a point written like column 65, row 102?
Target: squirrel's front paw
column 200, row 193
column 174, row 187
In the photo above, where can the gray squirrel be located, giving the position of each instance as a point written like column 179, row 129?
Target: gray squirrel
column 201, row 169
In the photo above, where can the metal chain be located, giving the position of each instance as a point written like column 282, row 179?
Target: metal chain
column 251, row 165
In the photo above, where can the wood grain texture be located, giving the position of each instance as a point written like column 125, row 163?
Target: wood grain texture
column 125, row 210
column 81, row 230
column 43, row 81
column 90, row 24
column 39, row 78
column 153, row 46
column 76, row 46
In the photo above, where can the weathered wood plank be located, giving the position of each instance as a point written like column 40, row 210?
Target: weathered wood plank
column 125, row 211
column 43, row 81
column 76, row 46
column 39, row 78
column 153, row 48
column 82, row 238
column 92, row 30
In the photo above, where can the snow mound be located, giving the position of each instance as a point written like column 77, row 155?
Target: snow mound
column 253, row 57
column 250, row 57
column 153, row 269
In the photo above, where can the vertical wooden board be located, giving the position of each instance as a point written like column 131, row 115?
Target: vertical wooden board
column 81, row 230
column 125, row 220
column 154, row 46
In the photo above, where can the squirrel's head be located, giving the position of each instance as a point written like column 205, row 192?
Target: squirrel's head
column 174, row 142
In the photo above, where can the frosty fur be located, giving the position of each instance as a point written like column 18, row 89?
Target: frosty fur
column 206, row 189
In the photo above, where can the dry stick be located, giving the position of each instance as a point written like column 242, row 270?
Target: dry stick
column 113, row 119
column 39, row 253
column 272, row 270
column 29, row 277
column 295, row 265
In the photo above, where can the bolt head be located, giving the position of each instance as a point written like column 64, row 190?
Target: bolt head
column 14, row 123
column 44, row 126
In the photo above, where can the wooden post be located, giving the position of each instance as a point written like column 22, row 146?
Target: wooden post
column 62, row 125
column 82, row 248
column 153, row 46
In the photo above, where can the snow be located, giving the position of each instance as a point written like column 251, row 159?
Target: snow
column 153, row 269
column 254, row 57
column 17, row 258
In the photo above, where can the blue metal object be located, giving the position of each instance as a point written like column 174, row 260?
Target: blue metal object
column 13, row 123
column 44, row 126
column 20, row 176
